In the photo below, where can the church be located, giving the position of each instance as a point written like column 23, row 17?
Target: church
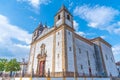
column 60, row 52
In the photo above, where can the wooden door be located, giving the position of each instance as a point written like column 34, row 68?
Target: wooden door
column 41, row 68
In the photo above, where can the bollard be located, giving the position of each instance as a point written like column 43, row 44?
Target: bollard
column 20, row 78
column 30, row 78
column 48, row 78
column 64, row 75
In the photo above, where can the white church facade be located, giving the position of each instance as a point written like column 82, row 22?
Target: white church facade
column 59, row 51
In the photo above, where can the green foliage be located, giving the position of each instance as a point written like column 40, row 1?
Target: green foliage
column 13, row 65
column 3, row 63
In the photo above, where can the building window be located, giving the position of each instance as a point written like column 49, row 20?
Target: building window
column 68, row 17
column 68, row 32
column 88, row 62
column 79, row 50
column 93, row 55
column 87, row 55
column 96, row 69
column 70, row 49
column 106, row 57
column 58, row 33
column 58, row 56
column 58, row 17
column 58, row 43
column 112, row 59
column 81, row 66
column 88, row 58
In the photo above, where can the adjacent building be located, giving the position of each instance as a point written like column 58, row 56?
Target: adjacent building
column 118, row 67
column 59, row 51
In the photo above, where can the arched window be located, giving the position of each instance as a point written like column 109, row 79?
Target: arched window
column 68, row 17
column 58, row 17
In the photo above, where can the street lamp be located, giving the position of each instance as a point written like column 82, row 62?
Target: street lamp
column 23, row 60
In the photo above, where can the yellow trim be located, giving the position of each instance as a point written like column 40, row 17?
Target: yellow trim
column 75, row 61
column 53, row 56
column 29, row 60
column 104, row 66
column 101, row 40
column 48, row 78
column 21, row 78
column 63, row 51
column 30, row 78
column 33, row 59
column 65, row 44
column 83, row 39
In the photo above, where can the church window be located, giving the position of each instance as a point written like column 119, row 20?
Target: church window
column 88, row 62
column 68, row 32
column 96, row 69
column 81, row 66
column 58, row 17
column 79, row 50
column 68, row 17
column 58, row 56
column 87, row 55
column 70, row 49
column 106, row 57
column 93, row 55
column 111, row 59
column 58, row 33
column 88, row 58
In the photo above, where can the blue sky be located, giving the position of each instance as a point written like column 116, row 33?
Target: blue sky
column 92, row 18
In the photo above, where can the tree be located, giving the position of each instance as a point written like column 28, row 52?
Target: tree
column 13, row 65
column 3, row 63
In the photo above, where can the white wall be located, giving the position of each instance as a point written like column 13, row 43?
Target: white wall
column 70, row 54
column 68, row 22
column 58, row 22
column 110, row 62
column 58, row 52
column 82, row 58
column 31, row 59
column 48, row 41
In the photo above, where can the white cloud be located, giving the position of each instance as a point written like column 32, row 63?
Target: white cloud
column 116, row 49
column 70, row 5
column 76, row 25
column 100, row 17
column 31, row 17
column 115, row 27
column 36, row 3
column 81, row 33
column 116, row 52
column 14, row 41
column 103, row 37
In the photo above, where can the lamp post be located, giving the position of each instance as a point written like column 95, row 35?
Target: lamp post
column 23, row 67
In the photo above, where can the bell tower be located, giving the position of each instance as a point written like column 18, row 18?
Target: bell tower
column 63, row 16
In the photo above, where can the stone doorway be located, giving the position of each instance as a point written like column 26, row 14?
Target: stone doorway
column 42, row 68
column 41, row 61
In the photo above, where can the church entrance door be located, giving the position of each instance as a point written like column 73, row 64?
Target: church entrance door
column 41, row 68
